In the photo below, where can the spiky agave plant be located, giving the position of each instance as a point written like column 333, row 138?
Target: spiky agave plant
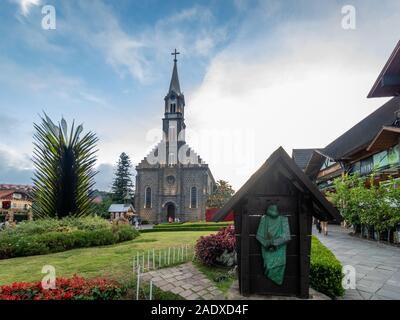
column 64, row 170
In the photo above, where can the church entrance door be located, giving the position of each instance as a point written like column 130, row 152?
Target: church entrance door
column 170, row 212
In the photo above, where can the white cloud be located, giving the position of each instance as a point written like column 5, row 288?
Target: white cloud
column 298, row 87
column 193, row 31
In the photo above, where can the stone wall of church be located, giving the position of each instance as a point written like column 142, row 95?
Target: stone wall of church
column 147, row 178
column 194, row 177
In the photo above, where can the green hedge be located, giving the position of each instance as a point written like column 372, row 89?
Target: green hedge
column 325, row 270
column 192, row 225
column 210, row 228
column 50, row 235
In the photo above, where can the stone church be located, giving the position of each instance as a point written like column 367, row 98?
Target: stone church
column 172, row 181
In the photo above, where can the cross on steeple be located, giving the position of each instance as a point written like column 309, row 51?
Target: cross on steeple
column 175, row 53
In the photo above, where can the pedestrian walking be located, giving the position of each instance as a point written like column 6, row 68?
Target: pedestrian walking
column 324, row 227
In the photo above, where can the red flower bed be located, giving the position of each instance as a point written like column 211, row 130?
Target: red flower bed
column 76, row 288
column 209, row 248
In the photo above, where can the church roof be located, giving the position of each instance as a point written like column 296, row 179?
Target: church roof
column 151, row 160
column 174, row 85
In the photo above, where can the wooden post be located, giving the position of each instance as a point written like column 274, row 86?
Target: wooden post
column 159, row 258
column 304, row 254
column 244, row 254
column 173, row 255
column 151, row 290
column 182, row 259
column 143, row 262
column 148, row 259
column 154, row 260
column 138, row 283
column 169, row 254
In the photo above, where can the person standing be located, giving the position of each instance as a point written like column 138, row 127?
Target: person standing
column 324, row 226
column 318, row 225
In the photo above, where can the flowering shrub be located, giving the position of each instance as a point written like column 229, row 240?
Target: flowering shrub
column 210, row 248
column 76, row 288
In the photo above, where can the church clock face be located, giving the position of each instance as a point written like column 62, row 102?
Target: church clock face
column 171, row 180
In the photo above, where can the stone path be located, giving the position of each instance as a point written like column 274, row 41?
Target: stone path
column 184, row 280
column 377, row 265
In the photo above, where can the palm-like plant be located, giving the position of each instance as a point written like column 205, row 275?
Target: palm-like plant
column 64, row 164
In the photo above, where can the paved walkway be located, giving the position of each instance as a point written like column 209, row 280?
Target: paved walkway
column 377, row 265
column 184, row 280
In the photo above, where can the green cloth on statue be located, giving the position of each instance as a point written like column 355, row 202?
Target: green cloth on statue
column 273, row 233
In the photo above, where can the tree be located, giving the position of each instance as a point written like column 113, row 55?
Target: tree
column 364, row 202
column 122, row 184
column 222, row 193
column 64, row 169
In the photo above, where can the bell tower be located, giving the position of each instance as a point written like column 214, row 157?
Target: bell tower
column 173, row 121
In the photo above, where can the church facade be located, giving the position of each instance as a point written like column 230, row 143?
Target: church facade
column 172, row 181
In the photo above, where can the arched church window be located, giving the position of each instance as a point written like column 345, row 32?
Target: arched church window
column 173, row 107
column 147, row 198
column 193, row 197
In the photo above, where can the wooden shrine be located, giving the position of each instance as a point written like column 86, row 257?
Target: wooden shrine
column 279, row 181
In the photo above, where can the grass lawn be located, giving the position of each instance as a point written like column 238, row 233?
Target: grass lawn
column 113, row 261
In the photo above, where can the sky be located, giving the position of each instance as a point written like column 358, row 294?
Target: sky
column 256, row 75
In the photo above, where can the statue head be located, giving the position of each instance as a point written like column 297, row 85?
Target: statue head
column 272, row 211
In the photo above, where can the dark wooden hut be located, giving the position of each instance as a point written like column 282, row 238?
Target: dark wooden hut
column 281, row 182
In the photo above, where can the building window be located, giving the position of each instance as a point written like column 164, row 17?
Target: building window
column 173, row 107
column 147, row 198
column 193, row 197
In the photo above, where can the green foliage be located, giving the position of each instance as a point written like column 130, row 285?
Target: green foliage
column 52, row 235
column 122, row 185
column 64, row 170
column 362, row 201
column 325, row 270
column 222, row 193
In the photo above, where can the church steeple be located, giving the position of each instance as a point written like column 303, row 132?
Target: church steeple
column 174, row 84
column 173, row 121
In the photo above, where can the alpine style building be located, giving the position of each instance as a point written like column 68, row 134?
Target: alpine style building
column 172, row 181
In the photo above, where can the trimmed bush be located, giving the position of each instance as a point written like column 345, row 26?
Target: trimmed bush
column 51, row 235
column 325, row 270
column 210, row 248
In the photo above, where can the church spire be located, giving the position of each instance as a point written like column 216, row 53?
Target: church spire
column 174, row 85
